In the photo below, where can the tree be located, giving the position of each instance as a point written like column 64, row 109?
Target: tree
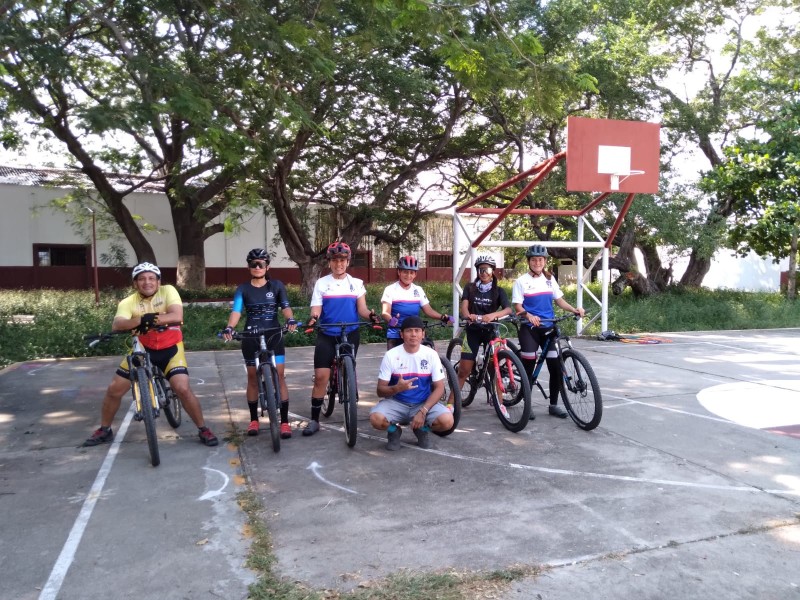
column 131, row 87
column 763, row 179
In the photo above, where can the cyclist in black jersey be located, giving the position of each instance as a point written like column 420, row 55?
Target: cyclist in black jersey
column 261, row 298
column 483, row 301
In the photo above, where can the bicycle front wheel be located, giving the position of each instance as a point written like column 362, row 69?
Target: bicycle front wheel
column 511, row 392
column 580, row 390
column 267, row 379
column 168, row 400
column 349, row 400
column 471, row 384
column 451, row 398
column 144, row 392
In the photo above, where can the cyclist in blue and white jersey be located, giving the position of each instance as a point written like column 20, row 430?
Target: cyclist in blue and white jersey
column 337, row 298
column 404, row 299
column 533, row 296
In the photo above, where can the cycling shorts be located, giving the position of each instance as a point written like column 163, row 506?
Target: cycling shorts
column 325, row 350
column 171, row 360
column 250, row 347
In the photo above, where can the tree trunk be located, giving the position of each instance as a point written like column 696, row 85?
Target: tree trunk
column 189, row 233
column 696, row 270
column 791, row 283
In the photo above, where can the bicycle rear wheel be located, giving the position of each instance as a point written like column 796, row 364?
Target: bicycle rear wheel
column 511, row 394
column 268, row 393
column 168, row 399
column 144, row 392
column 330, row 397
column 450, row 389
column 580, row 390
column 471, row 384
column 349, row 400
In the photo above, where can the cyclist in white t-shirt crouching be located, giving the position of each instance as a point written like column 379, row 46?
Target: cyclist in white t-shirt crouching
column 410, row 382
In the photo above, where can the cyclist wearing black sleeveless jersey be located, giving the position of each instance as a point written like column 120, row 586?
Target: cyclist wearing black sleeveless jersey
column 483, row 301
column 261, row 298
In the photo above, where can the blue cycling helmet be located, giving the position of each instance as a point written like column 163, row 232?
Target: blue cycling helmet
column 536, row 250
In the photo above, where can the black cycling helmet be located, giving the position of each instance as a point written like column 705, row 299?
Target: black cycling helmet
column 408, row 263
column 258, row 254
column 338, row 250
column 485, row 259
column 536, row 250
column 145, row 267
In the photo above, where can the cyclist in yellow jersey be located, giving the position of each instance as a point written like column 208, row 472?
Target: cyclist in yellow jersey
column 152, row 305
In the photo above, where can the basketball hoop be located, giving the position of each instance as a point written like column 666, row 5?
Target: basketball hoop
column 617, row 178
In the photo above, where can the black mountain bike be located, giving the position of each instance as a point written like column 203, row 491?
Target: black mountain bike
column 579, row 387
column 150, row 388
column 342, row 382
column 499, row 370
column 269, row 385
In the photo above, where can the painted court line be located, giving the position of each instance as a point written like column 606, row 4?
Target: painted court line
column 571, row 473
column 67, row 555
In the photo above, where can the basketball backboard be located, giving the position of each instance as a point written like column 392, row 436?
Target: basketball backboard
column 605, row 155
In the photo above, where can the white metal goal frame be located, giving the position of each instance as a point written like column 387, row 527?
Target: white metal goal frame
column 466, row 243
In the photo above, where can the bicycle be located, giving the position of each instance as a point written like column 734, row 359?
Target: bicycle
column 150, row 388
column 579, row 387
column 269, row 388
column 452, row 394
column 499, row 370
column 342, row 381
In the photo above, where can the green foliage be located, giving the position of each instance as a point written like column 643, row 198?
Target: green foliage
column 61, row 319
column 762, row 177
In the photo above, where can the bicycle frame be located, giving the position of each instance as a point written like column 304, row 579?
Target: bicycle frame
column 138, row 358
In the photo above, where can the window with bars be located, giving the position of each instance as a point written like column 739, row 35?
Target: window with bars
column 360, row 259
column 440, row 260
column 60, row 255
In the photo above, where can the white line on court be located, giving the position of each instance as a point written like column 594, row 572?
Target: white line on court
column 64, row 561
column 571, row 473
column 666, row 408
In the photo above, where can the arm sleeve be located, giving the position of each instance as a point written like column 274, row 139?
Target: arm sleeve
column 502, row 298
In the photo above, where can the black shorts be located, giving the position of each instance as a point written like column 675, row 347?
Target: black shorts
column 325, row 350
column 250, row 347
column 533, row 338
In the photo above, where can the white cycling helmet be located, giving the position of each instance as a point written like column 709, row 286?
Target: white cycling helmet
column 145, row 267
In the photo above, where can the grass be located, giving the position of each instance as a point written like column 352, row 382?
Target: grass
column 62, row 318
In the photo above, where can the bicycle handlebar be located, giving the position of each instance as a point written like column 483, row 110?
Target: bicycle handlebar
column 255, row 333
column 95, row 338
column 342, row 325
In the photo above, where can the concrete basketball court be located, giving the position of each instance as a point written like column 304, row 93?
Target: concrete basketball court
column 689, row 488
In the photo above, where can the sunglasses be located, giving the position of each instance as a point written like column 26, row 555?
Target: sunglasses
column 487, row 270
column 257, row 264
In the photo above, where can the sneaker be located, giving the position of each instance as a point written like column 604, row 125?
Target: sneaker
column 286, row 431
column 208, row 438
column 394, row 438
column 252, row 429
column 311, row 428
column 532, row 417
column 102, row 435
column 423, row 437
column 556, row 411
